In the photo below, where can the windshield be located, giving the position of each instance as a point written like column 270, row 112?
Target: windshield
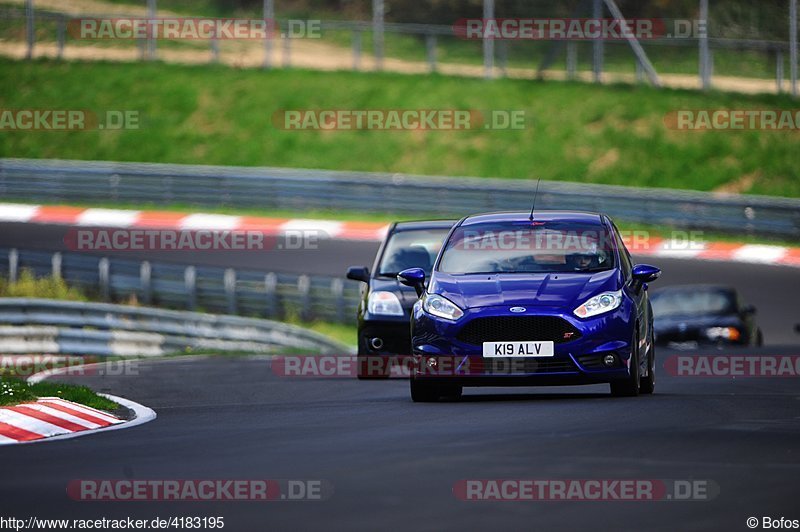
column 411, row 249
column 525, row 247
column 686, row 303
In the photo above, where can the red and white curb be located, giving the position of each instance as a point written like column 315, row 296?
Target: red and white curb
column 358, row 231
column 127, row 219
column 53, row 418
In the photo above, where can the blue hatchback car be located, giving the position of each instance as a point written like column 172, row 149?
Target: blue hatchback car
column 519, row 300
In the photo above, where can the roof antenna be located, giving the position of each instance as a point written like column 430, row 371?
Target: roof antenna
column 534, row 198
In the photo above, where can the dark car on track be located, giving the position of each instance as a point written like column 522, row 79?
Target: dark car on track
column 517, row 299
column 689, row 316
column 384, row 312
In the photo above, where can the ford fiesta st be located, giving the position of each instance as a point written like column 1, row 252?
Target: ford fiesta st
column 518, row 299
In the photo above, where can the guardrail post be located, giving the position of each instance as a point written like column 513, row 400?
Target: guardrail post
column 104, row 278
column 13, row 266
column 190, row 284
column 30, row 28
column 230, row 290
column 337, row 290
column 356, row 49
column 430, row 45
column 146, row 282
column 55, row 262
column 61, row 32
column 271, row 292
column 304, row 289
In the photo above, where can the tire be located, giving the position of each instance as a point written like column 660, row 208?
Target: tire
column 630, row 386
column 648, row 384
column 424, row 392
column 451, row 393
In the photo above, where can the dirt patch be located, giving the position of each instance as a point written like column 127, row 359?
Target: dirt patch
column 740, row 185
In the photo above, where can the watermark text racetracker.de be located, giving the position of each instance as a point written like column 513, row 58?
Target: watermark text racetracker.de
column 208, row 490
column 69, row 119
column 601, row 489
column 733, row 119
column 398, row 119
column 191, row 28
column 105, row 523
column 578, row 29
column 88, row 240
column 732, row 365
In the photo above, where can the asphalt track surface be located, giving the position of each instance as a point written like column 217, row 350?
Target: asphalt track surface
column 393, row 464
column 774, row 290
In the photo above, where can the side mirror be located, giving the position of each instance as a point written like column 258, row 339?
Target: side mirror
column 358, row 273
column 413, row 277
column 644, row 273
column 748, row 310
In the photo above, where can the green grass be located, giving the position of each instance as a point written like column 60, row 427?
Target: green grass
column 28, row 285
column 14, row 391
column 576, row 132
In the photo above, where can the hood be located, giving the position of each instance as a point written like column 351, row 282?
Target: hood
column 568, row 290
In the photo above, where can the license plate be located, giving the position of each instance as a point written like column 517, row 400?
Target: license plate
column 518, row 349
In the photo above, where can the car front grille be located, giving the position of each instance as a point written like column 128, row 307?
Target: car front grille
column 518, row 329
column 517, row 366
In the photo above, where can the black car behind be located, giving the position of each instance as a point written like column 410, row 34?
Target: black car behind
column 384, row 312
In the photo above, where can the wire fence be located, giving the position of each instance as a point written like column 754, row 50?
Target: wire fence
column 722, row 42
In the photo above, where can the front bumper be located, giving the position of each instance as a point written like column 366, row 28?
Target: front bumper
column 439, row 355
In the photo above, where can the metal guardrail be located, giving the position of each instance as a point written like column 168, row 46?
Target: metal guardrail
column 210, row 289
column 287, row 189
column 45, row 326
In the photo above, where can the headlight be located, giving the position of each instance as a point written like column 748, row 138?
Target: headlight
column 384, row 304
column 728, row 333
column 605, row 302
column 441, row 307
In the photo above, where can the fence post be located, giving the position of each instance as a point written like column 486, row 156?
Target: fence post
column 779, row 69
column 488, row 43
column 377, row 32
column 304, row 290
column 214, row 50
column 230, row 290
column 272, row 31
column 55, row 262
column 502, row 52
column 104, row 278
column 190, row 284
column 13, row 266
column 287, row 51
column 30, row 28
column 597, row 44
column 271, row 292
column 793, row 45
column 146, row 282
column 705, row 61
column 62, row 35
column 337, row 290
column 151, row 39
column 572, row 59
column 356, row 49
column 430, row 45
